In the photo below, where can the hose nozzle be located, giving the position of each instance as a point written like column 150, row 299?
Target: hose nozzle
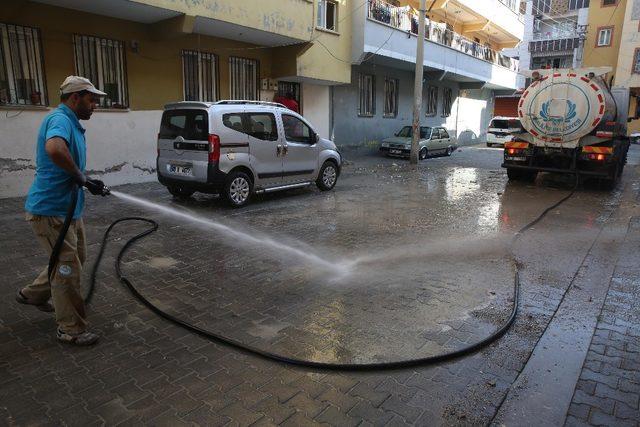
column 106, row 191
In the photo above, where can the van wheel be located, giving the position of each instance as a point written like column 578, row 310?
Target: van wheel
column 180, row 192
column 328, row 176
column 423, row 153
column 238, row 189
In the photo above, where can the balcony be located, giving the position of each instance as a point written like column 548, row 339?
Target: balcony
column 446, row 50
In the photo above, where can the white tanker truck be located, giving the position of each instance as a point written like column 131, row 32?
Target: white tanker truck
column 574, row 124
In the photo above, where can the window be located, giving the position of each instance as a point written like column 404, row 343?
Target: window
column 446, row 101
column 21, row 66
column 199, row 76
column 578, row 4
column 391, row 97
column 425, row 132
column 295, row 130
column 367, row 101
column 244, row 75
column 606, row 3
column 233, row 121
column 262, row 126
column 541, row 6
column 444, row 133
column 188, row 123
column 604, row 36
column 636, row 61
column 327, row 14
column 102, row 61
column 432, row 101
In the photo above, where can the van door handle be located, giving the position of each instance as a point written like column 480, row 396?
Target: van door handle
column 285, row 150
column 279, row 150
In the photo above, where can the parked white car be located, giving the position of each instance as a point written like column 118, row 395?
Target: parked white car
column 432, row 141
column 502, row 129
column 237, row 148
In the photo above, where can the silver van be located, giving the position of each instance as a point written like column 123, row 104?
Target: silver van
column 238, row 148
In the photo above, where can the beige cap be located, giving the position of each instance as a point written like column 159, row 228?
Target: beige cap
column 76, row 84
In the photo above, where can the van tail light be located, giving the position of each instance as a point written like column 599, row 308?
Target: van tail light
column 214, row 148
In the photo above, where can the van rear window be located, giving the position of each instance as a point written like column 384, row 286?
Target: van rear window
column 189, row 124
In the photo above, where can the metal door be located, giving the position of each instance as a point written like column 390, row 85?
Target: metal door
column 265, row 148
column 300, row 160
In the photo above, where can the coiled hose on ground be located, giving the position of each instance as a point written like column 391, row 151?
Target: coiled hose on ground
column 153, row 226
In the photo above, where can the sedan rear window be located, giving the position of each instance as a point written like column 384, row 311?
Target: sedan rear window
column 189, row 123
column 505, row 124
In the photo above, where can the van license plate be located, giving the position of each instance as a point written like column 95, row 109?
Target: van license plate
column 395, row 151
column 180, row 170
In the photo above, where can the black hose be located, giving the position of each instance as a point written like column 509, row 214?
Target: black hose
column 309, row 363
column 57, row 247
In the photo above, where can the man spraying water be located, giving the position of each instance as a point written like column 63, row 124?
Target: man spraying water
column 60, row 163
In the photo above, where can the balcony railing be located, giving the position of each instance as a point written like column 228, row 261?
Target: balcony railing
column 404, row 19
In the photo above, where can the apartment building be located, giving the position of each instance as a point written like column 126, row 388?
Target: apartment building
column 146, row 53
column 554, row 34
column 628, row 65
column 463, row 67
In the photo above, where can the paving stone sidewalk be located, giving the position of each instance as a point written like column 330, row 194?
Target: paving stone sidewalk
column 145, row 370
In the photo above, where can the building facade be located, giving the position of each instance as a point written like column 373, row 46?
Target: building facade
column 627, row 72
column 554, row 34
column 462, row 62
column 350, row 63
column 147, row 53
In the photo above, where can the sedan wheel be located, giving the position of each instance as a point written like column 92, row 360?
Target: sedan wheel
column 449, row 151
column 423, row 153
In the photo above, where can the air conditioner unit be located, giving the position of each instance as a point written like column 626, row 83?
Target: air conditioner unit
column 269, row 84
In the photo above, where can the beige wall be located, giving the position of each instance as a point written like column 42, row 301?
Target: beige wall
column 609, row 16
column 154, row 73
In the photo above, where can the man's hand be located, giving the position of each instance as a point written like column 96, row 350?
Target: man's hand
column 96, row 187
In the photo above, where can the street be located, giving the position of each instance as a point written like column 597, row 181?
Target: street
column 430, row 273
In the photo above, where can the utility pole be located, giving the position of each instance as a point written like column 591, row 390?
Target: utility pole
column 417, row 87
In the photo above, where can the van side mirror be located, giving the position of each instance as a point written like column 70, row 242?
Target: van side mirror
column 316, row 138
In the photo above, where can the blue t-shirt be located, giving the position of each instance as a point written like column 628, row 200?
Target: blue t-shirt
column 50, row 193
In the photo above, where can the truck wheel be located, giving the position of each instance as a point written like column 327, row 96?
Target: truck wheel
column 529, row 176
column 513, row 174
column 180, row 192
column 237, row 189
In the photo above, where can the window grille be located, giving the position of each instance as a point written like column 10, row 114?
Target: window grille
column 367, row 101
column 200, row 76
column 447, row 95
column 432, row 101
column 636, row 61
column 22, row 79
column 391, row 86
column 103, row 62
column 244, row 75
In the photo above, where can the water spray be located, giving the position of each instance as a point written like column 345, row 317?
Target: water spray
column 309, row 258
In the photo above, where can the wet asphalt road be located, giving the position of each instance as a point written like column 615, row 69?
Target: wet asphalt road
column 428, row 272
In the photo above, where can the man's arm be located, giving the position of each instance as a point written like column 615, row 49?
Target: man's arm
column 59, row 153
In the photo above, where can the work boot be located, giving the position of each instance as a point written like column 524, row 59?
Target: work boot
column 42, row 306
column 83, row 338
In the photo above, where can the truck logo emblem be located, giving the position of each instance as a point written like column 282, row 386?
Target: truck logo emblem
column 557, row 120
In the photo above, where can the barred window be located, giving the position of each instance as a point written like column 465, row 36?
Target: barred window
column 391, row 96
column 103, row 62
column 200, row 76
column 22, row 79
column 446, row 101
column 432, row 101
column 541, row 6
column 636, row 61
column 244, row 78
column 367, row 90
